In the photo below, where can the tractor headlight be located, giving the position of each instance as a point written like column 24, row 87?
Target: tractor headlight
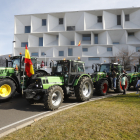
column 39, row 83
column 36, row 85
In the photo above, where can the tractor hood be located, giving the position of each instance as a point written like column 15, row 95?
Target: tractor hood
column 97, row 75
column 6, row 71
column 48, row 81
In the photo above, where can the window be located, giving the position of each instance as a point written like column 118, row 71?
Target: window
column 85, row 49
column 94, row 58
column 131, row 34
column 86, row 37
column 40, row 41
column 80, row 67
column 99, row 18
column 70, row 28
column 61, row 53
column 57, row 37
column 72, row 43
column 43, row 22
column 109, row 49
column 126, row 17
column 73, row 68
column 60, row 20
column 95, row 38
column 43, row 54
column 23, row 44
column 70, row 52
column 34, row 54
column 137, row 49
column 116, row 42
column 118, row 19
column 27, row 29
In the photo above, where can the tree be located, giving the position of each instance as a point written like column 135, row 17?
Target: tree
column 126, row 58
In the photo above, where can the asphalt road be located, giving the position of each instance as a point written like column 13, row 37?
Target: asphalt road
column 18, row 111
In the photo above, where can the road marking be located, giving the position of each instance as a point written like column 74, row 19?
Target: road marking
column 32, row 117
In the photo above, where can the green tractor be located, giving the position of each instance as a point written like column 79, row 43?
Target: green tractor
column 11, row 78
column 133, row 77
column 103, row 80
column 67, row 78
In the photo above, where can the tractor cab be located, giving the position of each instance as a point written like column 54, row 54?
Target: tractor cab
column 69, row 69
column 137, row 68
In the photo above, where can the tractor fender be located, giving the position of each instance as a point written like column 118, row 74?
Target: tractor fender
column 78, row 78
column 16, row 82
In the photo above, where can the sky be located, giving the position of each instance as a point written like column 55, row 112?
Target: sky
column 9, row 8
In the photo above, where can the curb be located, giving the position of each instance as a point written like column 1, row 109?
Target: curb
column 52, row 113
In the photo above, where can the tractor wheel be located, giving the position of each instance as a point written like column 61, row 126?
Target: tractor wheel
column 7, row 89
column 102, row 88
column 119, row 86
column 53, row 98
column 84, row 89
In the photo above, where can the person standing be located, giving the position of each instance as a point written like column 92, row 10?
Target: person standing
column 114, row 78
column 123, row 83
column 138, row 85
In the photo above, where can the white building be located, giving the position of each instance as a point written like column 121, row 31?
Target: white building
column 102, row 33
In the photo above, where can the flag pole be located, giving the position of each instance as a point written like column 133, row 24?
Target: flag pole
column 23, row 78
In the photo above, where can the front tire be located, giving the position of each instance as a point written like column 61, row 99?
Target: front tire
column 84, row 89
column 102, row 87
column 53, row 98
column 7, row 89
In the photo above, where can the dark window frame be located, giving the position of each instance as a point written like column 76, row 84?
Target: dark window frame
column 99, row 19
column 27, row 30
column 70, row 52
column 86, row 37
column 118, row 19
column 127, row 18
column 96, row 39
column 40, row 41
column 131, row 34
column 43, row 22
column 59, row 53
column 70, row 28
column 23, row 44
column 109, row 49
column 60, row 21
column 85, row 49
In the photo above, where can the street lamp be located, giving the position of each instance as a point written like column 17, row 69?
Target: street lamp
column 13, row 46
column 45, row 60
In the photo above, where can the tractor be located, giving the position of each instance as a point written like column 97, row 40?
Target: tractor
column 68, row 78
column 133, row 77
column 103, row 79
column 11, row 78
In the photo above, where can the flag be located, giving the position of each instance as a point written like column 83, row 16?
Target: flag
column 28, row 63
column 79, row 43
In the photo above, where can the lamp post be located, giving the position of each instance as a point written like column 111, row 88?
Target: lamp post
column 13, row 47
column 45, row 60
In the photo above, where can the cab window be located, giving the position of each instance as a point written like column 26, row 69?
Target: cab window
column 80, row 67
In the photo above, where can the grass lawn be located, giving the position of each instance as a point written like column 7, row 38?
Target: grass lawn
column 115, row 118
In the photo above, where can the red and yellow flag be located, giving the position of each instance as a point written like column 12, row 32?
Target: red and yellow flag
column 79, row 43
column 28, row 63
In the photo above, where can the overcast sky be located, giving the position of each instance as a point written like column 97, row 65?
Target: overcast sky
column 9, row 8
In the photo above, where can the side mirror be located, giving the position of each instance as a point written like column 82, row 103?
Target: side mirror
column 72, row 64
column 135, row 69
column 92, row 66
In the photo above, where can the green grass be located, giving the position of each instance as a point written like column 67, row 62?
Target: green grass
column 115, row 118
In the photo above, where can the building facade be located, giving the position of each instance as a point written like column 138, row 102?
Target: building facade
column 102, row 33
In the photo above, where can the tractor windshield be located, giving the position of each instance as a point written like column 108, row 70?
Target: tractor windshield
column 105, row 68
column 16, row 62
column 62, row 67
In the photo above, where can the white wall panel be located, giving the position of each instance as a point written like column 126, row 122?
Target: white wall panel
column 102, row 38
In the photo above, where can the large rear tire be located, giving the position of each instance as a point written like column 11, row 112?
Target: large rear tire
column 7, row 89
column 119, row 88
column 84, row 89
column 102, row 88
column 53, row 98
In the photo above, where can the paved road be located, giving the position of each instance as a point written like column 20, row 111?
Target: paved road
column 18, row 111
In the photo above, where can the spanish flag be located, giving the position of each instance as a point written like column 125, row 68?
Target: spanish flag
column 79, row 43
column 28, row 63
